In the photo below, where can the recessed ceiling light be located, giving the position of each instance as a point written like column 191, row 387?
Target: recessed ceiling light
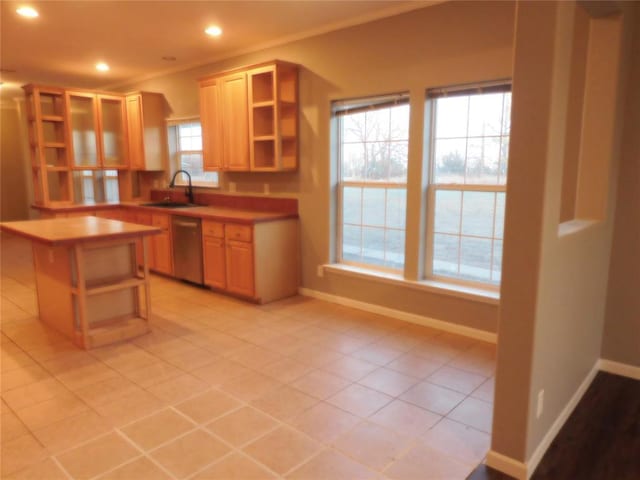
column 103, row 67
column 169, row 58
column 28, row 12
column 213, row 30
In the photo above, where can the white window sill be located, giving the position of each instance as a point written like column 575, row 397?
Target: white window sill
column 574, row 226
column 491, row 297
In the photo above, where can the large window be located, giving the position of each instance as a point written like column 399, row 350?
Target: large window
column 466, row 194
column 372, row 145
column 185, row 146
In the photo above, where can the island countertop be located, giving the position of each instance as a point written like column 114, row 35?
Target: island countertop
column 59, row 231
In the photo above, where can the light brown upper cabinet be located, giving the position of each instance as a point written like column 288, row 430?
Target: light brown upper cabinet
column 147, row 131
column 223, row 113
column 97, row 130
column 250, row 118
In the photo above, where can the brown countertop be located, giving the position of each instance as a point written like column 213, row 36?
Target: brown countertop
column 221, row 214
column 58, row 231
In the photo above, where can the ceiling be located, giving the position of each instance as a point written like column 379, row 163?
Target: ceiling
column 62, row 45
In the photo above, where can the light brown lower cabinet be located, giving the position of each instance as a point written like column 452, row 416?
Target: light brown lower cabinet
column 161, row 249
column 257, row 261
column 240, row 279
column 215, row 272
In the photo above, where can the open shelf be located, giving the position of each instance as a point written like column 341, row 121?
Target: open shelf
column 264, row 154
column 111, row 285
column 262, row 87
column 263, row 121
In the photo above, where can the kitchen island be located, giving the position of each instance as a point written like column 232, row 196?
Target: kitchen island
column 89, row 286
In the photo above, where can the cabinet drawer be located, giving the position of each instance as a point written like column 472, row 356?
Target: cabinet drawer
column 160, row 221
column 212, row 229
column 241, row 233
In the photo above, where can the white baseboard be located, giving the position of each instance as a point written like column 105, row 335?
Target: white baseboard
column 618, row 368
column 561, row 419
column 507, row 465
column 400, row 315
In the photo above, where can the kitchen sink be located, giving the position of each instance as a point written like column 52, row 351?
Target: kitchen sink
column 167, row 204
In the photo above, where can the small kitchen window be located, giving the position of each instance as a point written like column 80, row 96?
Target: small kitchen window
column 185, row 149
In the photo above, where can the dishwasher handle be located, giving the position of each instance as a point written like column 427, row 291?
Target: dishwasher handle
column 179, row 223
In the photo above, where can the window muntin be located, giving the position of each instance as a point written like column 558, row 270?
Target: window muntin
column 372, row 156
column 186, row 152
column 469, row 161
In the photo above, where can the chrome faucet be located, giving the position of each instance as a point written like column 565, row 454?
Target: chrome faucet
column 188, row 190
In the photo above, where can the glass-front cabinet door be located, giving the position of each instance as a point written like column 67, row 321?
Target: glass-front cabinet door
column 83, row 125
column 112, row 122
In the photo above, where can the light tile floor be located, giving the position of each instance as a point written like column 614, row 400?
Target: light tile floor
column 224, row 389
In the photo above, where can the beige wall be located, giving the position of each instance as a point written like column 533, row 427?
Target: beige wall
column 554, row 286
column 15, row 200
column 451, row 43
column 621, row 339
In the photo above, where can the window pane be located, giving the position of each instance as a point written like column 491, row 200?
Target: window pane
column 499, row 224
column 373, row 245
column 395, row 248
column 351, row 242
column 449, row 161
column 447, row 211
column 496, row 274
column 451, row 117
column 477, row 213
column 483, row 157
column 352, row 205
column 399, row 155
column 399, row 122
column 378, row 125
column 475, row 259
column 445, row 254
column 353, row 163
column 504, row 161
column 485, row 114
column 353, row 128
column 373, row 200
column 396, row 207
column 377, row 169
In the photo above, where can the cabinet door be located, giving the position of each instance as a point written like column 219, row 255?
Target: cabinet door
column 211, row 120
column 83, row 129
column 240, row 278
column 113, row 147
column 214, row 262
column 235, row 122
column 134, row 130
column 161, row 251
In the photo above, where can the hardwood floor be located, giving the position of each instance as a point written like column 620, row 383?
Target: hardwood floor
column 600, row 441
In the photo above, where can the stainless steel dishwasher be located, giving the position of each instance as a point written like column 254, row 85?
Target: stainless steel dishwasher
column 187, row 248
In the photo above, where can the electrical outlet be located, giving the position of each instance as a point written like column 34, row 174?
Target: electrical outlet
column 540, row 406
column 266, row 189
column 320, row 271
column 232, row 186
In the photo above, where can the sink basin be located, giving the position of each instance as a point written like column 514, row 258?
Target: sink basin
column 168, row 204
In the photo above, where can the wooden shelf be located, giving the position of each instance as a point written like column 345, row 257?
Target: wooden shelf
column 264, row 138
column 268, row 103
column 54, row 145
column 52, row 118
column 115, row 330
column 53, row 168
column 112, row 286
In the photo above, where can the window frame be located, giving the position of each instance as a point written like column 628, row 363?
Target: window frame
column 339, row 109
column 500, row 86
column 175, row 154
